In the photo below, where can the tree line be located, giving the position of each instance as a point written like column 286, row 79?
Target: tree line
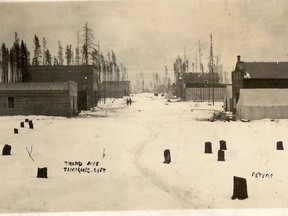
column 15, row 62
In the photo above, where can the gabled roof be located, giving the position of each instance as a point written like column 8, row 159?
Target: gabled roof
column 265, row 70
column 200, row 77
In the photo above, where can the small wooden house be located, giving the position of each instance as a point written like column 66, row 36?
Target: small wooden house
column 262, row 75
column 204, row 92
column 50, row 99
column 199, row 87
column 114, row 89
column 86, row 77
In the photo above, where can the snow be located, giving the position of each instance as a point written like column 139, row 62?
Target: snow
column 133, row 139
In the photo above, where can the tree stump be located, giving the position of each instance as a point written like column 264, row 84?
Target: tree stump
column 31, row 126
column 6, row 150
column 26, row 120
column 15, row 131
column 221, row 155
column 208, row 147
column 167, row 156
column 42, row 172
column 22, row 124
column 240, row 188
column 280, row 145
column 223, row 145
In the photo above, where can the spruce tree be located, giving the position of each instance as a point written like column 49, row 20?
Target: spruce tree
column 25, row 63
column 88, row 44
column 37, row 52
column 5, row 62
column 48, row 58
column 69, row 55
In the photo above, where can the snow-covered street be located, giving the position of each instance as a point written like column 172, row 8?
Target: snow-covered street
column 120, row 152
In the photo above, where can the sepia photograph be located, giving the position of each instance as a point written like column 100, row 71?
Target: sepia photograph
column 144, row 107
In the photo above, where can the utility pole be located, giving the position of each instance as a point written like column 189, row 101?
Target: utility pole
column 212, row 69
column 200, row 63
column 196, row 64
column 184, row 61
column 166, row 78
column 44, row 51
column 78, row 50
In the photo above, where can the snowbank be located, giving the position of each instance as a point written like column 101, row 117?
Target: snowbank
column 128, row 142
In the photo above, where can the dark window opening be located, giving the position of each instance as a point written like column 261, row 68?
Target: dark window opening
column 11, row 102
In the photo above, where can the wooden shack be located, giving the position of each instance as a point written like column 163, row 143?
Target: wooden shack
column 84, row 75
column 45, row 98
column 114, row 89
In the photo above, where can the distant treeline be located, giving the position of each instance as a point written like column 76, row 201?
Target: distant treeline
column 15, row 62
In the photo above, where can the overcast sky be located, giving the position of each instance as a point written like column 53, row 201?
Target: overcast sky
column 147, row 35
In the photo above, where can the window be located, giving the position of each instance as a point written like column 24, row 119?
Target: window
column 10, row 102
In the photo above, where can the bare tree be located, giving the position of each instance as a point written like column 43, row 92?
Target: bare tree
column 60, row 54
column 37, row 52
column 44, row 51
column 88, row 44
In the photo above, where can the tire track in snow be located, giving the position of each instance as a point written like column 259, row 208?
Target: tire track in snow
column 184, row 197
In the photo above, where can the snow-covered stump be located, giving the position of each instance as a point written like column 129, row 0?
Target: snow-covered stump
column 280, row 145
column 221, row 155
column 6, row 150
column 22, row 124
column 240, row 188
column 223, row 145
column 42, row 172
column 167, row 156
column 15, row 131
column 208, row 147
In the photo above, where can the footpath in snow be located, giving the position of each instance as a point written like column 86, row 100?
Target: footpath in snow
column 111, row 159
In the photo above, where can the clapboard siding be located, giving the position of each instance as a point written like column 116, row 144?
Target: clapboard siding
column 84, row 75
column 114, row 89
column 46, row 99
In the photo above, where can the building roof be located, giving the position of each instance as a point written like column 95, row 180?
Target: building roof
column 199, row 77
column 35, row 86
column 263, row 97
column 264, row 69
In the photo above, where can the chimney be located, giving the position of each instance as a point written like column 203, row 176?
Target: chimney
column 238, row 58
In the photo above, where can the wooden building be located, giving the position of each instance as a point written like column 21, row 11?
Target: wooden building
column 114, row 89
column 204, row 92
column 45, row 98
column 85, row 76
column 261, row 75
column 200, row 87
